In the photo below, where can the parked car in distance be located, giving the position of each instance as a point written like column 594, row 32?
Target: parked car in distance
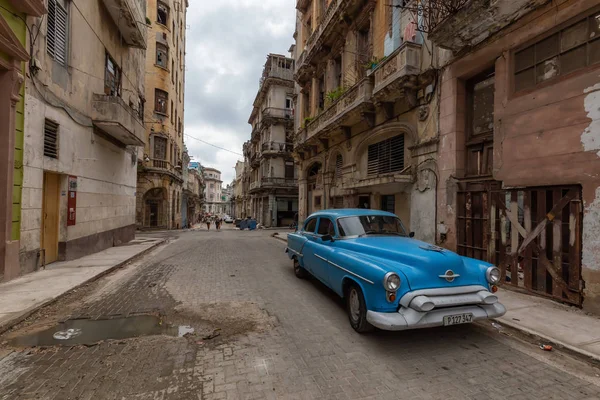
column 388, row 279
column 228, row 219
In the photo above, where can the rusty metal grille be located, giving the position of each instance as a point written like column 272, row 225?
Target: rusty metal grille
column 428, row 14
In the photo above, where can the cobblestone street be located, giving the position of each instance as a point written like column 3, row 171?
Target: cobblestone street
column 263, row 333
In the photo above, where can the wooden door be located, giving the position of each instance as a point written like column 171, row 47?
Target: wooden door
column 538, row 240
column 50, row 217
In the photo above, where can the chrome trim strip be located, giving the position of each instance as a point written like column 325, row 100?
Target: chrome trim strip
column 446, row 276
column 344, row 269
column 295, row 252
column 322, row 258
column 407, row 298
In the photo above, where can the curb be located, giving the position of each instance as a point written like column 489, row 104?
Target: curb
column 540, row 337
column 5, row 326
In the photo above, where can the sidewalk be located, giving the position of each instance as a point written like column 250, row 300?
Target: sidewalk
column 22, row 296
column 551, row 322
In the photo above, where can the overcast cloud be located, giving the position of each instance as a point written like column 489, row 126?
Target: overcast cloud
column 227, row 45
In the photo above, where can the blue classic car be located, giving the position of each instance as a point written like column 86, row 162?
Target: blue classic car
column 388, row 279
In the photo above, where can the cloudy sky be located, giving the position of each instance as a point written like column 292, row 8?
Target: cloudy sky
column 227, row 44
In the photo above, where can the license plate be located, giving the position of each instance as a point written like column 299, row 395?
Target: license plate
column 458, row 319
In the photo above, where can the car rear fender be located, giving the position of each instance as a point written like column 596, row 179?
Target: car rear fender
column 295, row 246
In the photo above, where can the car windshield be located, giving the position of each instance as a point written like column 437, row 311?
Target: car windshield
column 370, row 225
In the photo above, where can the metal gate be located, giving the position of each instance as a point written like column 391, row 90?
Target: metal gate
column 536, row 240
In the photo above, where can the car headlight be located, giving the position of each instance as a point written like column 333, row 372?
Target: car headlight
column 493, row 275
column 391, row 282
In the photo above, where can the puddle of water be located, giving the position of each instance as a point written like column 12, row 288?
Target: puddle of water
column 87, row 331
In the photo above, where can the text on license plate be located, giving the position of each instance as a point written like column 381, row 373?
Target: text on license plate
column 458, row 319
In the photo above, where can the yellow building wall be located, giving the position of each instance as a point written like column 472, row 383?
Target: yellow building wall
column 16, row 22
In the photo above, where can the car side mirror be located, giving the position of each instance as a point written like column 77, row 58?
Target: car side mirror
column 411, row 235
column 327, row 238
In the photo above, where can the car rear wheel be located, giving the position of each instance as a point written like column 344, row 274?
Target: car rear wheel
column 357, row 310
column 299, row 271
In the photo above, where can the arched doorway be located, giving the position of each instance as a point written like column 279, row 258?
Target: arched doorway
column 155, row 208
column 313, row 179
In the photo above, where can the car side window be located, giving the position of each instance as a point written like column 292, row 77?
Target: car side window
column 326, row 227
column 310, row 226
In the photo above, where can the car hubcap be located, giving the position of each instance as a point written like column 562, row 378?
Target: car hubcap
column 354, row 305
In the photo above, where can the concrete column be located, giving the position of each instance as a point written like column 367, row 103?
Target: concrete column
column 302, row 201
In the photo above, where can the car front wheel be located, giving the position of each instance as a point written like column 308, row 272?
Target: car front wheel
column 357, row 310
column 299, row 271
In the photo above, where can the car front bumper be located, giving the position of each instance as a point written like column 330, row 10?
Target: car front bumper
column 408, row 318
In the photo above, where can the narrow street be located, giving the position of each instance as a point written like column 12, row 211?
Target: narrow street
column 262, row 333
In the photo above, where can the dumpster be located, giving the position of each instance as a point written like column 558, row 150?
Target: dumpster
column 243, row 224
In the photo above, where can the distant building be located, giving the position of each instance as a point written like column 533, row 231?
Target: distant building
column 213, row 203
column 273, row 187
column 160, row 174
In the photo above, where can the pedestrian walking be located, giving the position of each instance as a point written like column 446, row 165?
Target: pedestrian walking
column 208, row 223
column 218, row 223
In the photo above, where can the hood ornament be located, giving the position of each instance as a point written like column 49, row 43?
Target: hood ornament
column 431, row 247
column 450, row 276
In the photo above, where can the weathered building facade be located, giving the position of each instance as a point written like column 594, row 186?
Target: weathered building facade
column 212, row 191
column 83, row 128
column 160, row 182
column 238, row 191
column 519, row 142
column 273, row 187
column 366, row 119
column 13, row 57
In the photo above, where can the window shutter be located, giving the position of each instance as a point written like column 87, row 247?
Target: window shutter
column 57, row 32
column 386, row 156
column 51, row 139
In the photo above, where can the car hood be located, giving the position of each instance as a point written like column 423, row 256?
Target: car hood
column 420, row 262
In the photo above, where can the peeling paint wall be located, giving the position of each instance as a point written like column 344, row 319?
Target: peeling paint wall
column 590, row 139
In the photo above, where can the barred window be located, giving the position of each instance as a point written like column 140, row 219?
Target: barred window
column 160, row 101
column 567, row 50
column 162, row 55
column 386, row 156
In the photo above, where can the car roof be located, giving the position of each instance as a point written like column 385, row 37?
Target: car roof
column 350, row 212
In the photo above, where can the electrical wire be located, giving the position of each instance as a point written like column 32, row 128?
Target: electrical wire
column 213, row 145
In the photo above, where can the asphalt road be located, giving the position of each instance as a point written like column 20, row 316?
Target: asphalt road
column 262, row 333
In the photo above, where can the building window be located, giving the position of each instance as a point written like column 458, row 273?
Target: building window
column 51, row 139
column 288, row 103
column 212, row 185
column 172, row 110
column 112, row 77
column 567, row 50
column 388, row 203
column 339, row 161
column 162, row 15
column 289, row 170
column 160, row 148
column 173, row 71
column 160, row 103
column 480, row 124
column 56, row 38
column 162, row 55
column 386, row 156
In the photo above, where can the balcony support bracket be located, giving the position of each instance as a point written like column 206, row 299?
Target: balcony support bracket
column 369, row 117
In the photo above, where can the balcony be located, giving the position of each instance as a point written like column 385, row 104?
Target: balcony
column 333, row 25
column 35, row 8
column 282, row 113
column 399, row 71
column 302, row 5
column 275, row 183
column 164, row 166
column 130, row 20
column 254, row 186
column 117, row 119
column 472, row 22
column 276, row 148
column 346, row 111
